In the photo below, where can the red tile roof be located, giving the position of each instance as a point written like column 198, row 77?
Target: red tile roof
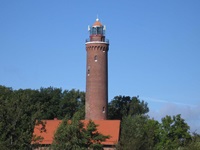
column 105, row 127
column 97, row 23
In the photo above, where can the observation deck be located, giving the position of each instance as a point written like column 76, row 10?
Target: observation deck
column 89, row 40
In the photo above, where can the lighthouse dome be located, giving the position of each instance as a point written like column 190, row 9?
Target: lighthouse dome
column 97, row 23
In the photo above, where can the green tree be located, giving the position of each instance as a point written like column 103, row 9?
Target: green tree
column 71, row 102
column 138, row 133
column 69, row 135
column 152, row 133
column 174, row 133
column 122, row 106
column 194, row 144
column 19, row 110
column 17, row 118
column 93, row 137
column 5, row 96
column 49, row 98
column 72, row 135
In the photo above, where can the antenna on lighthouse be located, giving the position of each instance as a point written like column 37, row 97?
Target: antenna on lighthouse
column 97, row 18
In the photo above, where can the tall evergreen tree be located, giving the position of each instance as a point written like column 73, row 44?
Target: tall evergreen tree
column 93, row 137
column 69, row 134
column 72, row 134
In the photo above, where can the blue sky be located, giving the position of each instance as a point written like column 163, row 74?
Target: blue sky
column 154, row 49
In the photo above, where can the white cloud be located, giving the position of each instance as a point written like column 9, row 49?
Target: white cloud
column 189, row 112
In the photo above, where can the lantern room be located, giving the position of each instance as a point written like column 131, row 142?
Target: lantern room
column 97, row 32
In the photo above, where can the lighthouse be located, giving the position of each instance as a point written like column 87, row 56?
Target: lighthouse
column 96, row 102
column 96, row 73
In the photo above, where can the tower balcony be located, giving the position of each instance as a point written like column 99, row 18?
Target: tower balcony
column 89, row 40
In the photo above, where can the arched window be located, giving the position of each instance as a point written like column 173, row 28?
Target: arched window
column 88, row 71
column 104, row 110
column 95, row 58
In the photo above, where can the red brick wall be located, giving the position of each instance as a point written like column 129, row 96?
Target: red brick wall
column 96, row 80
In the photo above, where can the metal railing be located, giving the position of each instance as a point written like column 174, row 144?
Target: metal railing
column 105, row 40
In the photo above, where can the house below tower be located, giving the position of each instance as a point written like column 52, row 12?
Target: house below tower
column 105, row 127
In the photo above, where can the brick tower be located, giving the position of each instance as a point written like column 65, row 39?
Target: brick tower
column 96, row 93
column 97, row 73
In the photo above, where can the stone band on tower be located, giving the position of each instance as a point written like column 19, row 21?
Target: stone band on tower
column 97, row 73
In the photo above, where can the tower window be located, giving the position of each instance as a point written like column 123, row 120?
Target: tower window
column 95, row 58
column 88, row 71
column 104, row 110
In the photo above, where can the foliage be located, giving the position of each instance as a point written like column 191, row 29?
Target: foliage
column 19, row 110
column 73, row 135
column 55, row 103
column 93, row 137
column 18, row 113
column 71, row 102
column 174, row 133
column 141, row 133
column 122, row 106
column 49, row 99
column 69, row 134
column 138, row 133
column 194, row 143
